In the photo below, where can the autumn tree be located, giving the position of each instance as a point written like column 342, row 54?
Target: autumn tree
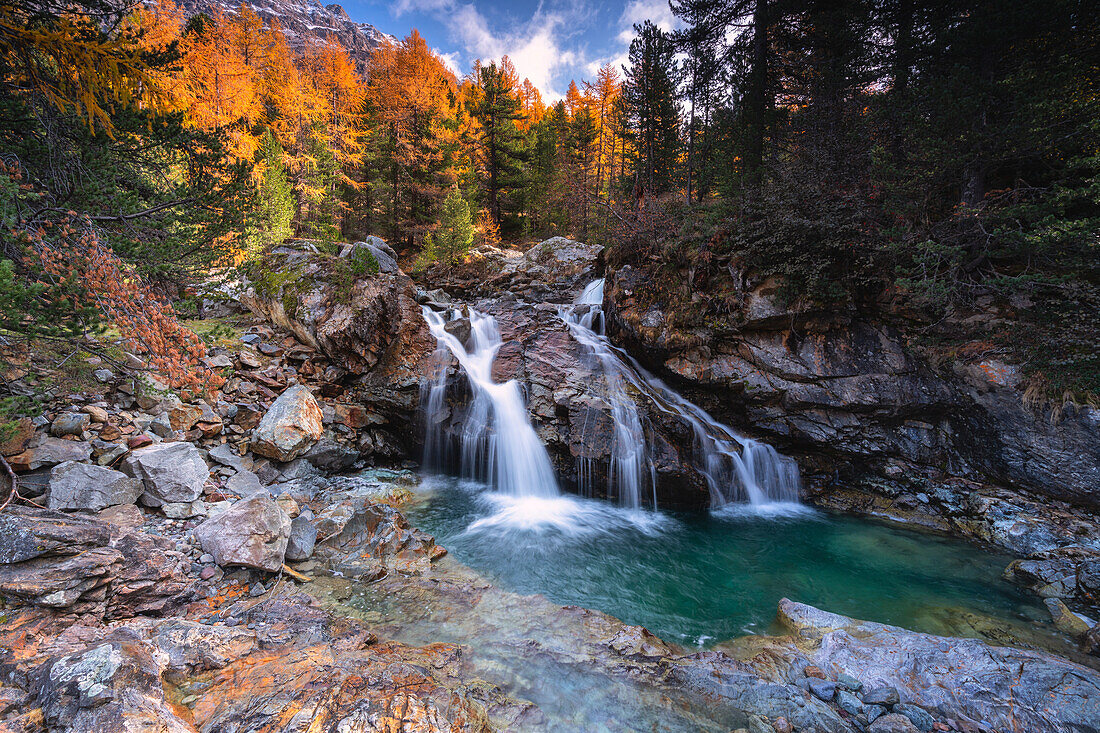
column 412, row 99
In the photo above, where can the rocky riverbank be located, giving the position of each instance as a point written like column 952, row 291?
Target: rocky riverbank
column 177, row 563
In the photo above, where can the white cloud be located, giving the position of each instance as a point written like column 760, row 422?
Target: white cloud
column 639, row 11
column 452, row 61
column 538, row 47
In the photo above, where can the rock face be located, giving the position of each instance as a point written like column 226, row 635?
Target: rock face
column 304, row 23
column 87, row 486
column 1071, row 573
column 171, row 473
column 862, row 409
column 961, row 679
column 290, row 427
column 252, row 533
column 373, row 328
column 78, row 564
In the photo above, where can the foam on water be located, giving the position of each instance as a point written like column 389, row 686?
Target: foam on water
column 565, row 515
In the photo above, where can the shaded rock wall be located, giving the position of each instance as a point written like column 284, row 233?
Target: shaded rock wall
column 851, row 396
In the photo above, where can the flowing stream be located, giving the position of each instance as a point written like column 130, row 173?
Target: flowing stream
column 737, row 469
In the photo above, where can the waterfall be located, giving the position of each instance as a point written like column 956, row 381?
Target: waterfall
column 498, row 443
column 736, row 469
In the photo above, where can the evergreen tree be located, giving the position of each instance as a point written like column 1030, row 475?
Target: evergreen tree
column 271, row 219
column 320, row 203
column 650, row 94
column 450, row 242
column 497, row 109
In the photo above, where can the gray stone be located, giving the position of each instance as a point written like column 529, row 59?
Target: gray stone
column 70, row 423
column 290, row 427
column 103, row 375
column 252, row 533
column 848, row 702
column 886, row 696
column 823, row 689
column 172, row 473
column 382, row 253
column 245, row 483
column 91, row 487
column 917, row 716
column 52, row 451
column 1010, row 689
column 331, row 457
column 874, row 712
column 227, row 455
column 206, row 558
column 303, row 537
column 161, row 426
column 849, row 682
column 892, row 723
column 184, row 509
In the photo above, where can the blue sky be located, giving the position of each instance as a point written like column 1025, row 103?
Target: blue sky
column 550, row 42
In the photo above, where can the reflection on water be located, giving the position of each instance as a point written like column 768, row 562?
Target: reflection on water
column 699, row 578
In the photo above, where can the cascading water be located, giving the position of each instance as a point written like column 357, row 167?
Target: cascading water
column 736, row 469
column 498, row 443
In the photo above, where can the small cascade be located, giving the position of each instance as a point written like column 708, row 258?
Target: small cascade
column 737, row 469
column 498, row 444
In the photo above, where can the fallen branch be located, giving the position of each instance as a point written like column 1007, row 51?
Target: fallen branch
column 14, row 486
column 296, row 575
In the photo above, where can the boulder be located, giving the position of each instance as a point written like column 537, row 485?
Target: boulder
column 91, row 487
column 69, row 423
column 1068, row 622
column 18, row 439
column 303, row 537
column 331, row 457
column 382, row 253
column 290, row 427
column 171, row 473
column 252, row 533
column 50, row 452
column 1005, row 689
column 152, row 578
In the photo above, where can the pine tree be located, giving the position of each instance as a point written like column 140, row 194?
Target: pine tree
column 497, row 108
column 650, row 94
column 450, row 242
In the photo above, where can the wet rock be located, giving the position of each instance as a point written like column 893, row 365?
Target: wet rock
column 1007, row 688
column 69, row 423
column 1067, row 621
column 170, row 472
column 368, row 536
column 252, row 533
column 91, row 487
column 823, row 689
column 303, row 537
column 110, row 686
column 1071, row 573
column 290, row 427
column 848, row 702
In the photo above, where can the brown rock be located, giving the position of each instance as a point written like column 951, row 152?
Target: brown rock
column 98, row 414
column 17, row 442
column 290, row 427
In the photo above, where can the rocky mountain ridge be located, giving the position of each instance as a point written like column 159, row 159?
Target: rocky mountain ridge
column 304, row 22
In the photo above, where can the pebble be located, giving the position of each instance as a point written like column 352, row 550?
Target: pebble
column 207, row 573
column 848, row 702
column 257, row 590
column 206, row 558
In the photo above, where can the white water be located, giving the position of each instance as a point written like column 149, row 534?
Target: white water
column 499, row 445
column 737, row 469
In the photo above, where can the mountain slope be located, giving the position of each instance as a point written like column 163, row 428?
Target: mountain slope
column 304, row 21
